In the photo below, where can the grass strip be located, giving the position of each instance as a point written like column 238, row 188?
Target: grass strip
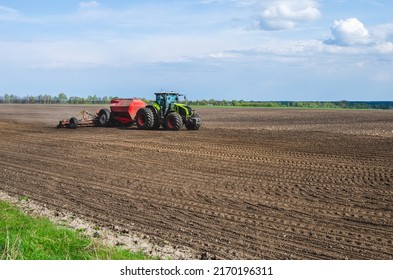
column 26, row 238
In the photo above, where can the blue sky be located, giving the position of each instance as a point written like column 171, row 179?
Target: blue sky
column 222, row 49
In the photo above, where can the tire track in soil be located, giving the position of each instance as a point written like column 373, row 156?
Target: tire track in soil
column 237, row 199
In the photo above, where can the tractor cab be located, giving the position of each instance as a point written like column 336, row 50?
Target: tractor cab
column 166, row 99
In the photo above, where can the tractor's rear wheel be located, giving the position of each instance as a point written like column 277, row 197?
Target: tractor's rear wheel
column 156, row 124
column 145, row 118
column 104, row 117
column 73, row 123
column 173, row 121
column 191, row 125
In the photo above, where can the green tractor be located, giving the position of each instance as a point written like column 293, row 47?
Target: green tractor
column 168, row 112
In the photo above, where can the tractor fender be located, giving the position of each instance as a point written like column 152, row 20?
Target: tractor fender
column 153, row 108
column 184, row 110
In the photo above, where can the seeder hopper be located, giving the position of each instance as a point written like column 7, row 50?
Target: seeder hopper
column 122, row 112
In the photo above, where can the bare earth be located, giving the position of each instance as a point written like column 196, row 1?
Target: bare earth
column 251, row 184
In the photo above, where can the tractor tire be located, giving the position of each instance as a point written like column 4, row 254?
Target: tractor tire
column 173, row 121
column 145, row 118
column 191, row 125
column 73, row 123
column 113, row 122
column 104, row 117
column 156, row 124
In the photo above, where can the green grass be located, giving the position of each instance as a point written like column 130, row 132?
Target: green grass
column 26, row 238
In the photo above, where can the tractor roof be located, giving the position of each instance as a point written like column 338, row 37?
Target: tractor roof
column 168, row 93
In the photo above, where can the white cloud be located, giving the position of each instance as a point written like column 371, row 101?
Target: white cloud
column 88, row 5
column 223, row 55
column 9, row 14
column 381, row 77
column 349, row 32
column 287, row 14
column 110, row 53
column 383, row 32
column 6, row 10
column 12, row 15
column 212, row 1
column 385, row 48
column 351, row 36
column 245, row 3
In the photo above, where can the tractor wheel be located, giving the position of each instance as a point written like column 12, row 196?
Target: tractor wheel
column 113, row 122
column 145, row 118
column 73, row 123
column 104, row 117
column 156, row 124
column 191, row 125
column 173, row 121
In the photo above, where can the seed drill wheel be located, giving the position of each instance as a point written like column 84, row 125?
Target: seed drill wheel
column 73, row 123
column 104, row 117
column 145, row 118
column 173, row 121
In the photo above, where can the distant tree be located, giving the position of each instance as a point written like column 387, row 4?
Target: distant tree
column 106, row 100
column 344, row 104
column 24, row 99
column 213, row 102
column 15, row 99
column 203, row 102
column 76, row 100
column 62, row 98
column 40, row 99
column 147, row 101
column 72, row 100
column 7, row 98
column 48, row 99
column 235, row 103
column 94, row 99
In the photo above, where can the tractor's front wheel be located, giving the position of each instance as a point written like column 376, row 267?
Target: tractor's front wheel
column 192, row 125
column 145, row 118
column 173, row 121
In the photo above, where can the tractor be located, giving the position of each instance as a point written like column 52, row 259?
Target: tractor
column 166, row 111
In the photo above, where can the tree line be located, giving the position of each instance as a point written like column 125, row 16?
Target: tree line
column 62, row 98
column 298, row 104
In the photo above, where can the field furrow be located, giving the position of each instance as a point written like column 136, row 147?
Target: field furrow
column 264, row 190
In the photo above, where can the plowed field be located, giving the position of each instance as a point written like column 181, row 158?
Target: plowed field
column 251, row 184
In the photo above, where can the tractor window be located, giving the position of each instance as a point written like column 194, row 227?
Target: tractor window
column 171, row 98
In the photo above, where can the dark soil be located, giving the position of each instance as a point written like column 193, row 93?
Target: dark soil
column 250, row 184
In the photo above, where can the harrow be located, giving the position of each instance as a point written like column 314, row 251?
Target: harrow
column 85, row 119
